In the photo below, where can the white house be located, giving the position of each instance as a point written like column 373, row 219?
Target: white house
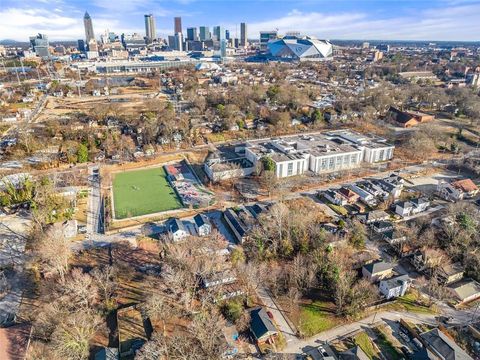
column 202, row 225
column 414, row 206
column 394, row 287
column 334, row 197
column 404, row 208
column 177, row 230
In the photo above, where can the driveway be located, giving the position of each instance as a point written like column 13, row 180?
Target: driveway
column 94, row 220
column 278, row 316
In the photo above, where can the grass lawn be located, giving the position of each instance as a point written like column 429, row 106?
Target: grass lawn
column 366, row 344
column 338, row 209
column 142, row 192
column 386, row 346
column 317, row 317
column 411, row 302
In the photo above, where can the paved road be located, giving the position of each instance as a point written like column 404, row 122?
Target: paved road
column 278, row 316
column 94, row 206
column 299, row 346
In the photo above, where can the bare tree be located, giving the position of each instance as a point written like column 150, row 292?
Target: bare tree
column 106, row 280
column 71, row 339
column 54, row 252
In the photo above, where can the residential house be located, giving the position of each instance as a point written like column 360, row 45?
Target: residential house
column 420, row 205
column 443, row 346
column 394, row 287
column 374, row 216
column 381, row 227
column 404, row 208
column 350, row 196
column 224, row 283
column 394, row 237
column 392, row 184
column 262, row 326
column 457, row 190
column 424, row 259
column 465, row 290
column 364, row 195
column 412, row 207
column 218, row 278
column 335, row 197
column 177, row 230
column 450, row 273
column 377, row 271
column 373, row 189
column 408, row 118
column 355, row 353
column 240, row 221
column 202, row 225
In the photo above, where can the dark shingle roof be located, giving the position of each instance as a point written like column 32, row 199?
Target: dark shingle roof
column 260, row 323
column 201, row 219
column 438, row 342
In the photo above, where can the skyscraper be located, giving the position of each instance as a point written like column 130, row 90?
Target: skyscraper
column 87, row 23
column 204, row 33
column 150, row 30
column 40, row 45
column 219, row 33
column 177, row 24
column 192, row 34
column 243, row 34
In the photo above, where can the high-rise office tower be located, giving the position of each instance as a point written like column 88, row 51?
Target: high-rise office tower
column 81, row 45
column 243, row 35
column 150, row 30
column 177, row 24
column 219, row 33
column 223, row 48
column 87, row 23
column 204, row 33
column 192, row 34
column 227, row 34
column 40, row 45
column 179, row 41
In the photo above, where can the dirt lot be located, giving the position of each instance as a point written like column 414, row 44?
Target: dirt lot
column 132, row 102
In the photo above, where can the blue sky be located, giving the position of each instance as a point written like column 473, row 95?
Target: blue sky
column 334, row 19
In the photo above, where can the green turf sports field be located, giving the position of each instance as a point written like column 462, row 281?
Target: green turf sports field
column 141, row 192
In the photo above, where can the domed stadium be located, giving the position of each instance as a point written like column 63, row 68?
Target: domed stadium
column 300, row 48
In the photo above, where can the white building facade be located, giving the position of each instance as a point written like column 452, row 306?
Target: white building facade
column 319, row 153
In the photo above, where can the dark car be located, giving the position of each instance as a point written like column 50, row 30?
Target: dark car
column 270, row 315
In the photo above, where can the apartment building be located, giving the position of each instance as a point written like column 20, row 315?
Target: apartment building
column 319, row 153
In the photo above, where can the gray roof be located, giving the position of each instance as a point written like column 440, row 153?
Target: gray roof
column 466, row 288
column 378, row 267
column 260, row 323
column 395, row 282
column 443, row 346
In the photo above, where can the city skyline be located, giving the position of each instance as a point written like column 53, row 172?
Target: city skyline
column 383, row 20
